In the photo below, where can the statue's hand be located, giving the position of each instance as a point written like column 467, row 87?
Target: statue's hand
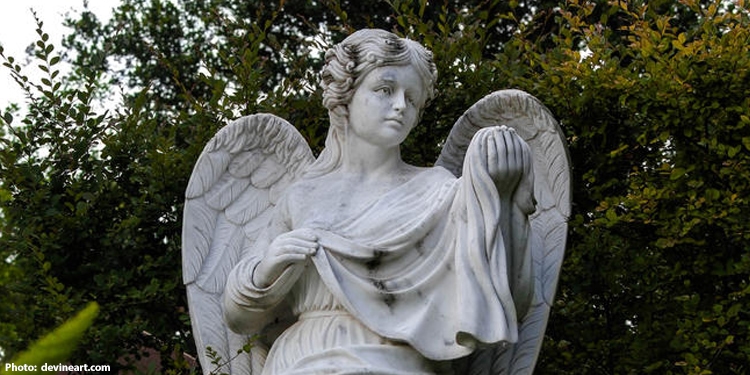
column 288, row 249
column 508, row 158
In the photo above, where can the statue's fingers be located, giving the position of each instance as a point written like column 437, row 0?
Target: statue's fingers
column 291, row 258
column 477, row 148
column 300, row 247
column 301, row 236
column 522, row 152
column 306, row 234
column 506, row 155
column 524, row 155
column 303, row 250
column 493, row 164
column 511, row 139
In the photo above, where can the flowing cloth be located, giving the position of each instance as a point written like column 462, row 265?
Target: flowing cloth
column 423, row 268
column 425, row 264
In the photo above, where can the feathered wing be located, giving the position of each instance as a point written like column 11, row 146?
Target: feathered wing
column 535, row 124
column 232, row 191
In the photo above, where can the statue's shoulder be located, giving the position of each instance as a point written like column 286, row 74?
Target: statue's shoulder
column 437, row 173
column 441, row 172
column 305, row 189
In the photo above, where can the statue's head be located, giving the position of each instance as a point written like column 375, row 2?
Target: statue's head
column 347, row 65
column 348, row 62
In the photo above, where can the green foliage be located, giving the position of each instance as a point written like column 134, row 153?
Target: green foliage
column 90, row 213
column 57, row 346
column 659, row 245
column 219, row 364
column 654, row 98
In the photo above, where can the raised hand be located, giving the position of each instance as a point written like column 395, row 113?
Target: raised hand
column 288, row 249
column 508, row 157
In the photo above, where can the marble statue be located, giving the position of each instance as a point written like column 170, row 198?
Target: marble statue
column 356, row 262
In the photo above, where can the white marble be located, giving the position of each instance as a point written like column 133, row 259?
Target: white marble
column 357, row 262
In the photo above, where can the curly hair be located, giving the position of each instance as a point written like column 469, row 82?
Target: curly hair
column 348, row 63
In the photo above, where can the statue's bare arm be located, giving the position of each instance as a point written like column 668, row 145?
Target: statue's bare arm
column 259, row 282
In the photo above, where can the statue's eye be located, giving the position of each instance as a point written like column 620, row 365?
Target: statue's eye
column 385, row 90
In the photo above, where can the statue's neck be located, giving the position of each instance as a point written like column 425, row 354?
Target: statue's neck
column 369, row 160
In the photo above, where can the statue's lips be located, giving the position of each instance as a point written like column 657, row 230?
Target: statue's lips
column 394, row 122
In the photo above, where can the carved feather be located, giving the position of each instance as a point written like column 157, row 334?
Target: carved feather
column 549, row 230
column 253, row 228
column 197, row 233
column 208, row 169
column 251, row 203
column 243, row 165
column 275, row 192
column 223, row 254
column 481, row 361
column 225, row 191
column 227, row 200
column 268, row 172
column 207, row 331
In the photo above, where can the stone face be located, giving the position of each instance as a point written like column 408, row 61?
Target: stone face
column 356, row 262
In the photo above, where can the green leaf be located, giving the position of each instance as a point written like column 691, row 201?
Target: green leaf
column 83, row 96
column 665, row 242
column 676, row 173
column 57, row 346
column 611, row 215
column 733, row 151
column 713, row 194
column 5, row 195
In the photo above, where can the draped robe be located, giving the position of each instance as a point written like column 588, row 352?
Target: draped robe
column 424, row 267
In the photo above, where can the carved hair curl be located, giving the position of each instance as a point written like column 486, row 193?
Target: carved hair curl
column 348, row 62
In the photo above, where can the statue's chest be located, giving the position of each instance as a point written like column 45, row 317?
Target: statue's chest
column 328, row 205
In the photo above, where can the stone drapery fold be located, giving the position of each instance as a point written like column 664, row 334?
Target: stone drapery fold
column 426, row 265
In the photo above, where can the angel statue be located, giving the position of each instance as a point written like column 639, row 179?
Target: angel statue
column 356, row 262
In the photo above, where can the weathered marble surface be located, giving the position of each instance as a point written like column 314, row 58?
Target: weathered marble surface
column 356, row 262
